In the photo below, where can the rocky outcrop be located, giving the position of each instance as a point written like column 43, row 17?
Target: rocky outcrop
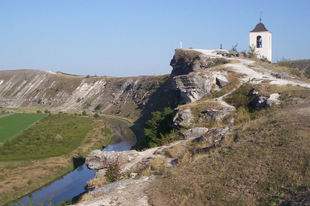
column 263, row 101
column 193, row 87
column 183, row 118
column 186, row 60
column 218, row 114
column 221, row 80
column 98, row 159
column 273, row 99
column 195, row 132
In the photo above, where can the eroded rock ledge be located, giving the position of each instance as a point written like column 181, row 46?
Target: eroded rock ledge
column 98, row 159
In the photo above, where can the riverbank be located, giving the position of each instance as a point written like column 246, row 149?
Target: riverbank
column 23, row 177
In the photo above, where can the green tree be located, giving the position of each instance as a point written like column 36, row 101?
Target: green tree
column 158, row 128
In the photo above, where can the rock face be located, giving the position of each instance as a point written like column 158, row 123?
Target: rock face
column 193, row 87
column 188, row 78
column 98, row 159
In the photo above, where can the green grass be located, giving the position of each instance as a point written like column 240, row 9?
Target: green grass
column 53, row 136
column 14, row 124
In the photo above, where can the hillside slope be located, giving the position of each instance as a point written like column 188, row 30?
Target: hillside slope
column 245, row 140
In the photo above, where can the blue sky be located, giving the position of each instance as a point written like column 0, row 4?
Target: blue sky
column 132, row 38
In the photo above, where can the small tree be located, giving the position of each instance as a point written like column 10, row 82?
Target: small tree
column 158, row 128
column 84, row 113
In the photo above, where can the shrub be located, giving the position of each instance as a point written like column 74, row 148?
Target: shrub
column 58, row 137
column 158, row 128
column 39, row 111
column 240, row 97
column 113, row 172
column 98, row 107
column 84, row 113
column 96, row 115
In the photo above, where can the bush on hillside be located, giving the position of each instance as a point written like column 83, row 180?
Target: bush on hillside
column 98, row 107
column 158, row 128
column 96, row 115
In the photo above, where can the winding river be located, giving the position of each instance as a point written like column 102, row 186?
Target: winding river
column 72, row 184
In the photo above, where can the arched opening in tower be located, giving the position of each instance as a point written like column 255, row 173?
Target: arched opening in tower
column 259, row 42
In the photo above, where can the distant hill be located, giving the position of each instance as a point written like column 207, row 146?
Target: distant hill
column 302, row 64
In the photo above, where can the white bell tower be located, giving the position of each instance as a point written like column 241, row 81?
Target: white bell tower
column 261, row 38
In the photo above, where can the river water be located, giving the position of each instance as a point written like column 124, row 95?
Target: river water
column 72, row 184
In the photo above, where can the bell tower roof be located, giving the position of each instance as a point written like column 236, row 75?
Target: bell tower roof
column 259, row 27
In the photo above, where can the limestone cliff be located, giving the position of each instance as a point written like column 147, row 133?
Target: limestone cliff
column 130, row 97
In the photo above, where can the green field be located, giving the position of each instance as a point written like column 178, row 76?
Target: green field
column 54, row 135
column 13, row 124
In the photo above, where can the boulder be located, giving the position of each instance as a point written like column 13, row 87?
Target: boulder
column 221, row 81
column 218, row 114
column 263, row 101
column 98, row 159
column 195, row 132
column 282, row 76
column 183, row 118
column 273, row 99
column 258, row 101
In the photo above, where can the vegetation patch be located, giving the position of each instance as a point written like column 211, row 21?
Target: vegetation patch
column 28, row 175
column 13, row 124
column 158, row 129
column 54, row 135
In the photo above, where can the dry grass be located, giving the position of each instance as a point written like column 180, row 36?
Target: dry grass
column 186, row 53
column 177, row 151
column 156, row 166
column 265, row 162
column 99, row 182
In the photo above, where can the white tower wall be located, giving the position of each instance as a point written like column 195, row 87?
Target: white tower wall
column 266, row 48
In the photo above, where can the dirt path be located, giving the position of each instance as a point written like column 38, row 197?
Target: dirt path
column 254, row 72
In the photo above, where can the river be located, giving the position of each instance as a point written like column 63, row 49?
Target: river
column 72, row 184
